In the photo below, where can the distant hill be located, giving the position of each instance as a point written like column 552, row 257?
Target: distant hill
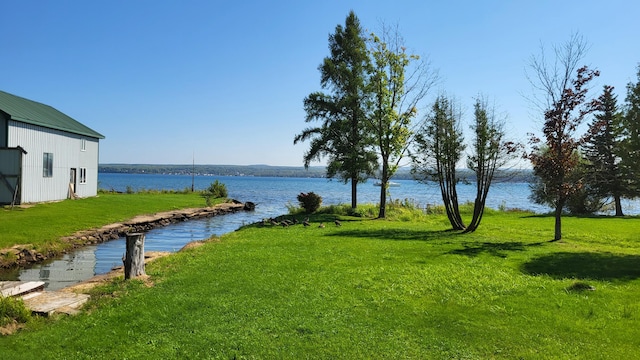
column 512, row 175
column 220, row 170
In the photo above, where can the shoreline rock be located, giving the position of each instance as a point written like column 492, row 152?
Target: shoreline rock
column 24, row 254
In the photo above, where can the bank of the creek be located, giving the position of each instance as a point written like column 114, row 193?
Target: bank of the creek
column 24, row 255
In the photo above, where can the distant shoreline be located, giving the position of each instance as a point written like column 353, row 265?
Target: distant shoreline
column 511, row 175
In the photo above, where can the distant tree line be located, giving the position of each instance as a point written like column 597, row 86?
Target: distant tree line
column 219, row 170
column 513, row 175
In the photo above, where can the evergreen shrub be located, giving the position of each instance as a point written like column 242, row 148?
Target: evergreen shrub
column 310, row 202
column 216, row 190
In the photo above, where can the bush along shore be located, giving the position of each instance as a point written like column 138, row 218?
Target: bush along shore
column 24, row 254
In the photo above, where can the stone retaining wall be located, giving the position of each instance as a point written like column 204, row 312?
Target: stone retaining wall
column 20, row 255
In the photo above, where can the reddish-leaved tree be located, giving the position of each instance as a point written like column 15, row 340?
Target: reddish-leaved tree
column 558, row 159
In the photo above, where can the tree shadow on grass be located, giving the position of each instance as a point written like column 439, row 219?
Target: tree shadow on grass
column 585, row 265
column 398, row 234
column 584, row 216
column 495, row 249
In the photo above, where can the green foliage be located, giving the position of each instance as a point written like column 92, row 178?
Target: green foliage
column 368, row 211
column 342, row 135
column 439, row 144
column 561, row 121
column 216, row 190
column 13, row 309
column 490, row 151
column 293, row 209
column 582, row 201
column 397, row 210
column 310, row 202
column 435, row 209
column 603, row 150
column 395, row 98
column 630, row 163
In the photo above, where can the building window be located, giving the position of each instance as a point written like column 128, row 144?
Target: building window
column 83, row 145
column 47, row 165
column 83, row 175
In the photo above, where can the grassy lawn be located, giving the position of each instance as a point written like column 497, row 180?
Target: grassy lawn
column 371, row 289
column 43, row 224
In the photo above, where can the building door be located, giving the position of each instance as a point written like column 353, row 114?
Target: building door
column 10, row 175
column 72, row 183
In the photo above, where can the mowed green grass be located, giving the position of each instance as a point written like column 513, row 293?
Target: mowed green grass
column 43, row 224
column 371, row 289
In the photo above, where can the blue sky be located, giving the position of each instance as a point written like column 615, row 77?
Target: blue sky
column 224, row 81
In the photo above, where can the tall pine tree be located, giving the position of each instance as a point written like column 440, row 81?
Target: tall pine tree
column 342, row 136
column 603, row 151
column 630, row 163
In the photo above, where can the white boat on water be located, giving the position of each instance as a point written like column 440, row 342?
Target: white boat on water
column 390, row 183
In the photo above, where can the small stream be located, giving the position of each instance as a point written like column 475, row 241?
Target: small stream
column 83, row 263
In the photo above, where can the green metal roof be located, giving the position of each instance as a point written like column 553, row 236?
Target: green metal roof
column 35, row 113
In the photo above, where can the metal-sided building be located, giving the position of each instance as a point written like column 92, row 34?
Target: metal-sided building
column 45, row 155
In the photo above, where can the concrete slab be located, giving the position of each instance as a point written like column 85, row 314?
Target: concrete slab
column 17, row 288
column 49, row 302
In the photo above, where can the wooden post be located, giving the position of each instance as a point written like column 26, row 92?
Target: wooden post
column 134, row 258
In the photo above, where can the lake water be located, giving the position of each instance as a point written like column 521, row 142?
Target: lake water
column 272, row 195
column 275, row 193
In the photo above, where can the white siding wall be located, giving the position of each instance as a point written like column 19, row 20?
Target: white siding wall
column 67, row 154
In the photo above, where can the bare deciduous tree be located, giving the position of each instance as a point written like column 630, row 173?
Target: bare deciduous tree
column 562, row 92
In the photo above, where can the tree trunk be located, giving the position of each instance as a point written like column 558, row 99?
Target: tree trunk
column 134, row 258
column 382, row 212
column 558, row 226
column 354, row 192
column 453, row 210
column 483, row 184
column 384, row 182
column 618, row 205
column 450, row 200
column 453, row 198
column 478, row 210
column 478, row 205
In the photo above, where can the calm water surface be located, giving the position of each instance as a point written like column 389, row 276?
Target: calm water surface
column 278, row 192
column 272, row 195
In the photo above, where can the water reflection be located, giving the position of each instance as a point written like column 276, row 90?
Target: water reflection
column 92, row 260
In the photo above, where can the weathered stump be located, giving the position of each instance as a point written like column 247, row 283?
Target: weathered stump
column 134, row 258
